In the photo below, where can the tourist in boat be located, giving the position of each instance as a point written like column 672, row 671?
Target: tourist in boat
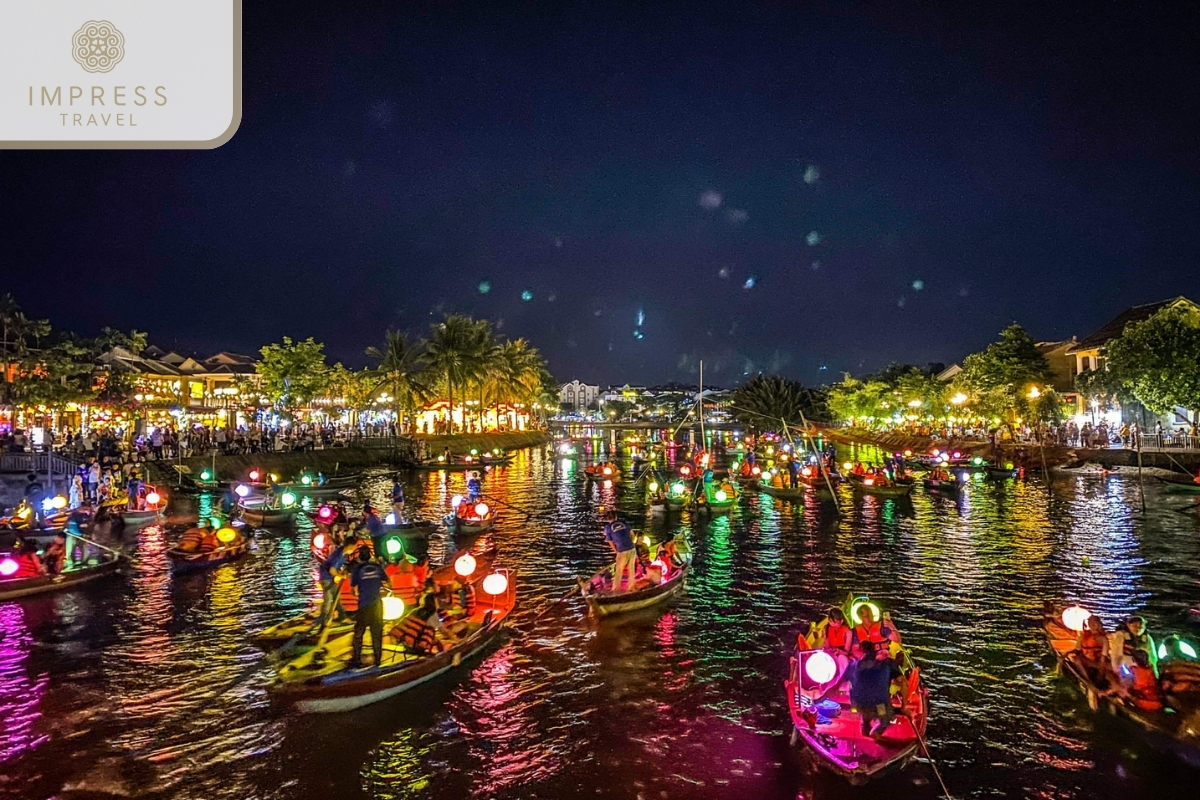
column 398, row 501
column 839, row 637
column 464, row 598
column 1130, row 636
column 209, row 543
column 858, row 469
column 1144, row 690
column 620, row 539
column 418, row 631
column 193, row 539
column 869, row 629
column 55, row 557
column 367, row 578
column 793, row 473
column 1093, row 647
column 133, row 491
column 871, row 688
column 28, row 563
column 374, row 527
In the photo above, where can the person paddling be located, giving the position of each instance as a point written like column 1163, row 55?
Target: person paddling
column 620, row 539
column 368, row 578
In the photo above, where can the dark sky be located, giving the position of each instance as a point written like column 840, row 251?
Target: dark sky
column 772, row 187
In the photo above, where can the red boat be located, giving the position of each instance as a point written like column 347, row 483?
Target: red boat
column 824, row 718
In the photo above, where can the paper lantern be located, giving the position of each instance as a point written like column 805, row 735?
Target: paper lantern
column 474, row 451
column 206, row 476
column 482, row 509
column 8, row 567
column 495, row 584
column 325, row 513
column 677, row 488
column 721, row 496
column 390, row 519
column 393, row 546
column 1075, row 617
column 755, row 471
column 456, row 501
column 464, row 565
column 306, row 480
column 288, row 499
column 226, row 535
column 820, row 667
column 60, row 502
column 253, row 474
column 393, row 608
column 607, row 470
column 806, row 472
column 48, row 504
column 1186, row 649
column 318, row 542
column 847, row 466
column 241, row 490
column 653, row 486
column 152, row 498
column 441, row 458
column 274, row 478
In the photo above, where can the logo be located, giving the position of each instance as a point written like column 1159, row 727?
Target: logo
column 98, row 46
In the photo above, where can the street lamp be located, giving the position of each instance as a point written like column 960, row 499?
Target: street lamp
column 1034, row 393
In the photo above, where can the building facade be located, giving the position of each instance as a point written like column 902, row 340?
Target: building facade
column 578, row 396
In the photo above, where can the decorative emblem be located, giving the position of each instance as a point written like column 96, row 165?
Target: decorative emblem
column 98, row 46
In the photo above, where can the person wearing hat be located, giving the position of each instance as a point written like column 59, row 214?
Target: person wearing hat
column 620, row 539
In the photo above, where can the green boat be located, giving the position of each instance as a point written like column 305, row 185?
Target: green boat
column 1180, row 487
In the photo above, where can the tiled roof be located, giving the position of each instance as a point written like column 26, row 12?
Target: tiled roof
column 1116, row 325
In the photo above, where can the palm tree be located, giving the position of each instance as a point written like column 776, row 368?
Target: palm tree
column 452, row 352
column 401, row 363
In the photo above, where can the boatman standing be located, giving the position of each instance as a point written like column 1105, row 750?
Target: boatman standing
column 398, row 500
column 367, row 578
column 620, row 539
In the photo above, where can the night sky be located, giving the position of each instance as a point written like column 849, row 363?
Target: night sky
column 761, row 186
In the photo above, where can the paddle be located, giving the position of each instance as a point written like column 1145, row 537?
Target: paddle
column 527, row 514
column 928, row 755
column 94, row 543
column 545, row 610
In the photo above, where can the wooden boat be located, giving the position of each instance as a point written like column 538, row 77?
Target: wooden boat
column 1000, row 473
column 868, row 486
column 332, row 485
column 950, row 487
column 782, row 492
column 193, row 562
column 602, row 472
column 316, row 492
column 717, row 498
column 603, row 602
column 11, row 588
column 321, row 680
column 301, row 630
column 147, row 516
column 434, row 465
column 266, row 516
column 1171, row 730
column 826, row 721
column 1178, row 486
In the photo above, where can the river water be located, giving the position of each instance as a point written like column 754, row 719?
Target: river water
column 146, row 686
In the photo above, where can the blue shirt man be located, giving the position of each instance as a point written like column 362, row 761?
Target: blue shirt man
column 474, row 487
column 373, row 522
column 336, row 560
column 368, row 578
column 621, row 539
column 397, row 492
column 618, row 533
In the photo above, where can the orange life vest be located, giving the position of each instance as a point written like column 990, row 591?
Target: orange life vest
column 837, row 637
column 871, row 634
column 1091, row 645
column 1145, row 692
column 416, row 634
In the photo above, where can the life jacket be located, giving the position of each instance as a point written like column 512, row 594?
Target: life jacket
column 1130, row 643
column 417, row 635
column 466, row 599
column 871, row 634
column 1091, row 645
column 837, row 637
column 28, row 566
column 191, row 540
column 349, row 597
column 1144, row 691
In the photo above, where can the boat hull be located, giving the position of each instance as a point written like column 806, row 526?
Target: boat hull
column 13, row 588
column 195, row 562
column 262, row 517
column 781, row 492
column 605, row 604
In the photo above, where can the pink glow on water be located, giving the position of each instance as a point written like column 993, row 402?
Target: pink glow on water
column 20, row 695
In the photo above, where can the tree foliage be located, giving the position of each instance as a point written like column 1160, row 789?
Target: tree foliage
column 766, row 401
column 293, row 373
column 998, row 380
column 1158, row 360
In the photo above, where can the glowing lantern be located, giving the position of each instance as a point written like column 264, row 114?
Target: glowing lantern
column 318, row 542
column 482, row 509
column 467, row 459
column 390, row 519
column 47, row 504
column 868, row 481
column 60, row 502
column 755, row 471
column 24, row 513
column 253, row 474
column 441, row 458
column 325, row 513
column 216, row 522
column 847, row 466
column 653, row 486
column 393, row 546
column 8, row 567
column 226, row 535
column 607, row 470
column 806, row 472
column 464, row 565
column 495, row 584
column 274, row 478
column 957, row 455
column 908, row 453
column 152, row 498
column 206, row 476
column 306, row 479
column 677, row 488
column 1187, row 649
column 474, row 451
column 720, row 496
column 288, row 499
column 456, row 501
column 820, row 667
column 1008, row 465
column 977, row 461
column 393, row 608
column 241, row 490
column 934, row 451
column 1075, row 617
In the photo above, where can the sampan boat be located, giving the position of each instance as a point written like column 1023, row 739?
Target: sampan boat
column 603, row 602
column 182, row 561
column 322, row 681
column 143, row 516
column 950, row 487
column 266, row 516
column 1171, row 730
column 782, row 492
column 1000, row 473
column 1179, row 487
column 11, row 588
column 824, row 718
column 717, row 498
column 471, row 518
column 434, row 465
column 870, row 486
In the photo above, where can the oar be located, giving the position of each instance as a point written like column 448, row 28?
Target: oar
column 527, row 513
column 545, row 610
column 116, row 553
column 928, row 755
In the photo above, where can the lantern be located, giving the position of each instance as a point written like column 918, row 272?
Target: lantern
column 441, row 458
column 60, row 502
column 847, row 466
column 653, row 486
column 318, row 542
column 216, row 522
column 908, row 453
column 934, row 451
column 8, row 568
column 482, row 509
column 685, row 470
column 152, row 498
column 393, row 546
column 456, row 501
column 957, row 455
column 48, row 504
column 241, row 490
column 325, row 513
column 820, row 667
column 806, row 472
column 868, row 481
column 306, row 479
column 393, row 608
column 464, row 565
column 288, row 499
column 607, row 470
column 474, row 451
column 206, row 476
column 274, row 478
column 1075, row 617
column 226, row 535
column 677, row 488
column 253, row 474
column 495, row 584
column 1186, row 649
column 390, row 519
column 755, row 470
column 721, row 496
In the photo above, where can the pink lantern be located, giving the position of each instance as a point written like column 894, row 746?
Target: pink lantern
column 254, row 474
column 495, row 584
column 464, row 565
column 326, row 513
